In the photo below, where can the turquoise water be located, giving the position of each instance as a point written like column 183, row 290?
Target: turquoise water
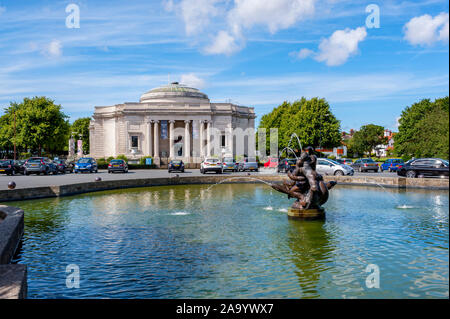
column 235, row 241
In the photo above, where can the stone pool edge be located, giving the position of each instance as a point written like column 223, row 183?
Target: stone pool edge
column 13, row 277
column 87, row 187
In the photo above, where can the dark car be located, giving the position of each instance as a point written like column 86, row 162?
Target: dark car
column 424, row 167
column 117, row 165
column 286, row 165
column 40, row 165
column 8, row 167
column 61, row 165
column 392, row 164
column 365, row 165
column 20, row 166
column 176, row 165
column 86, row 164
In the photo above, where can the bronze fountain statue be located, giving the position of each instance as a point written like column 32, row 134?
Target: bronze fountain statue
column 307, row 186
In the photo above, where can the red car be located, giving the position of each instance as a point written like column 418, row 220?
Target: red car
column 272, row 162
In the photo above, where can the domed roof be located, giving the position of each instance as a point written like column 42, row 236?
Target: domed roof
column 172, row 91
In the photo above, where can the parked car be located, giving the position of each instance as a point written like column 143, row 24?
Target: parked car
column 118, row 165
column 40, row 165
column 60, row 165
column 286, row 164
column 211, row 165
column 248, row 165
column 70, row 166
column 229, row 164
column 326, row 166
column 20, row 165
column 86, row 164
column 8, row 167
column 176, row 165
column 391, row 164
column 272, row 162
column 426, row 167
column 365, row 165
column 345, row 161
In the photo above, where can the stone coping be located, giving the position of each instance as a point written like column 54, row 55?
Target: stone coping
column 13, row 278
column 11, row 231
column 13, row 281
column 79, row 188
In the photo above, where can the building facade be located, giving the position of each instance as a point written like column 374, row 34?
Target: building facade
column 171, row 122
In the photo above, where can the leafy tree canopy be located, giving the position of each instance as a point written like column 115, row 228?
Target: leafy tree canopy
column 312, row 121
column 368, row 136
column 424, row 130
column 40, row 124
column 80, row 129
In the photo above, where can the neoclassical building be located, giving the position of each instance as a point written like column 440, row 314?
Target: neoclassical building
column 170, row 122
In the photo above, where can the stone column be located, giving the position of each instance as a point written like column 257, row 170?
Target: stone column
column 156, row 139
column 230, row 146
column 187, row 140
column 150, row 139
column 202, row 127
column 171, row 139
column 208, row 138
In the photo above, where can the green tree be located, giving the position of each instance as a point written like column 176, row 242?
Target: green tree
column 423, row 129
column 368, row 136
column 312, row 121
column 40, row 124
column 80, row 128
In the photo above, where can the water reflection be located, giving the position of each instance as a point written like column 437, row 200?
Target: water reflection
column 311, row 248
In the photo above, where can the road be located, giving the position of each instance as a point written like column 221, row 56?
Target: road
column 63, row 179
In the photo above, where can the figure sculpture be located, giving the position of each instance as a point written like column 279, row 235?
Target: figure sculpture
column 307, row 186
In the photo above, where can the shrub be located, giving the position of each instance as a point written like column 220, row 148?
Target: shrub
column 122, row 157
column 101, row 161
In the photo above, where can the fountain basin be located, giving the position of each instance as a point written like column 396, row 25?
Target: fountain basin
column 204, row 241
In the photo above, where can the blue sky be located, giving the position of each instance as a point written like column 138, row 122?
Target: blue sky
column 256, row 53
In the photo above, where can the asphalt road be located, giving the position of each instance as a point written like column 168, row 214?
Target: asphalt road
column 63, row 179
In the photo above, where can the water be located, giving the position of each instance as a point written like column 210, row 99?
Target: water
column 156, row 243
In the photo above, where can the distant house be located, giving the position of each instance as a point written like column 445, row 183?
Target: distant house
column 382, row 150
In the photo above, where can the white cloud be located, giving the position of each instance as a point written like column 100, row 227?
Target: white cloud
column 224, row 43
column 233, row 18
column 192, row 80
column 340, row 46
column 274, row 14
column 2, row 9
column 196, row 14
column 303, row 54
column 426, row 30
column 54, row 49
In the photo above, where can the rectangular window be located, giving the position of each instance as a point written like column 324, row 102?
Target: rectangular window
column 134, row 141
column 223, row 141
column 164, row 133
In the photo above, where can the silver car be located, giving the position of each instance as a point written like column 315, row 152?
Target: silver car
column 229, row 164
column 248, row 164
column 327, row 166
